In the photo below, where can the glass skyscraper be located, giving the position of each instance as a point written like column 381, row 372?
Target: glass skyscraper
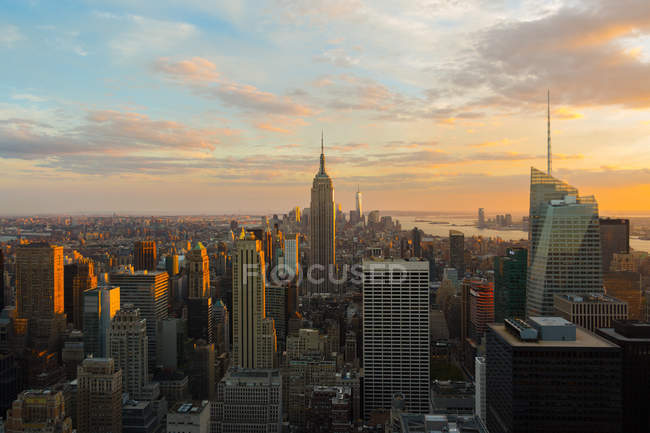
column 565, row 244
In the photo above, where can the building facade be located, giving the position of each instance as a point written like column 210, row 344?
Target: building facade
column 614, row 239
column 395, row 333
column 127, row 345
column 99, row 396
column 567, row 256
column 591, row 311
column 457, row 252
column 547, row 375
column 251, row 330
column 100, row 306
column 510, row 284
column 149, row 292
column 145, row 255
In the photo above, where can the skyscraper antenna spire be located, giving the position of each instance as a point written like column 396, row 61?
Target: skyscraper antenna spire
column 322, row 153
column 548, row 132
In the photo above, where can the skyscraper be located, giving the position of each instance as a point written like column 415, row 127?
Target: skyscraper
column 543, row 189
column 144, row 255
column 83, row 278
column 147, row 291
column 100, row 306
column 547, row 375
column 38, row 410
column 416, row 235
column 39, row 293
column 322, row 235
column 510, row 284
column 481, row 218
column 291, row 259
column 99, row 396
column 457, row 252
column 567, row 255
column 359, row 204
column 198, row 272
column 251, row 332
column 396, row 333
column 127, row 345
column 614, row 238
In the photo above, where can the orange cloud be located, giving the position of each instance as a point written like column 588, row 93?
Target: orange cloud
column 269, row 127
column 448, row 121
column 501, row 142
column 565, row 113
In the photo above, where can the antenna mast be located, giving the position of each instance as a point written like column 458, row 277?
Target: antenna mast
column 548, row 132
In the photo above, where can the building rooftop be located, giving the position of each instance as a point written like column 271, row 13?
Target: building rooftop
column 584, row 339
column 628, row 331
column 189, row 407
column 589, row 298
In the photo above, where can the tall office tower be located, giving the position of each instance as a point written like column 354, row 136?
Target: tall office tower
column 276, row 309
column 72, row 353
column 198, row 271
column 149, row 292
column 590, row 311
column 395, row 310
column 171, row 348
column 634, row 339
column 84, row 278
column 322, row 235
column 291, row 255
column 127, row 345
column 457, row 252
column 171, row 264
column 480, row 403
column 100, row 306
column 614, row 238
column 329, row 409
column 625, row 286
column 99, row 396
column 481, row 308
column 481, row 218
column 373, row 217
column 543, row 189
column 221, row 323
column 39, row 293
column 567, row 255
column 38, row 410
column 200, row 370
column 528, row 391
column 248, row 401
column 200, row 319
column 359, row 207
column 145, row 255
column 510, row 284
column 416, row 237
column 249, row 312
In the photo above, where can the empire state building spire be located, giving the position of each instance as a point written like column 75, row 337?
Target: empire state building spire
column 322, row 155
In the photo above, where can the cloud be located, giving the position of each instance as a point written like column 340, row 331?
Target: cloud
column 577, row 52
column 105, row 132
column 201, row 76
column 9, row 35
column 268, row 127
column 337, row 57
column 143, row 35
column 502, row 142
column 27, row 97
column 565, row 113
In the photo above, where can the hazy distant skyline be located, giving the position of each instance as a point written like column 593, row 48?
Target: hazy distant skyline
column 215, row 107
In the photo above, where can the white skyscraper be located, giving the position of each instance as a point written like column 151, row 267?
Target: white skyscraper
column 359, row 204
column 396, row 333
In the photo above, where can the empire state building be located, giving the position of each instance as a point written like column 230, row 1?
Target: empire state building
column 322, row 217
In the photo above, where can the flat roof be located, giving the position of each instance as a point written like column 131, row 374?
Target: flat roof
column 550, row 321
column 612, row 332
column 584, row 339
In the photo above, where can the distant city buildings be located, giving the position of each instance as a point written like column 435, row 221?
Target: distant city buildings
column 614, row 239
column 591, row 311
column 128, row 346
column 457, row 252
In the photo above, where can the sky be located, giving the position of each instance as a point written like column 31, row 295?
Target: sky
column 189, row 107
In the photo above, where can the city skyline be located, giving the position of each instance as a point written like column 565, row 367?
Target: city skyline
column 127, row 105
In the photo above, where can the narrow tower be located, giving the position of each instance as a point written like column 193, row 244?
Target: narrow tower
column 548, row 132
